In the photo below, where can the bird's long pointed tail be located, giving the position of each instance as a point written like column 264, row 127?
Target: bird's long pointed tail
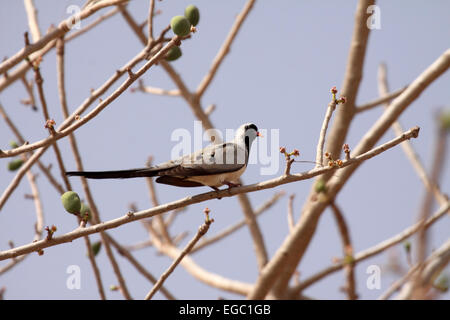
column 119, row 174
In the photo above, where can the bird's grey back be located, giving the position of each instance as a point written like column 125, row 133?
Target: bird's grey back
column 213, row 159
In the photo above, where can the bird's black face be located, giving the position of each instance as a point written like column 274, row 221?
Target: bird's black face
column 251, row 126
column 250, row 133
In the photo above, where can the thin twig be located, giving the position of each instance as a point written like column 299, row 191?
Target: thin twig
column 131, row 22
column 63, row 101
column 148, row 243
column 372, row 251
column 434, row 265
column 350, row 289
column 210, row 109
column 225, row 48
column 139, row 245
column 384, row 99
column 158, row 221
column 21, row 70
column 63, row 28
column 171, row 217
column 29, row 88
column 127, row 255
column 158, row 91
column 209, row 278
column 91, row 25
column 45, row 169
column 32, row 20
column 407, row 147
column 39, row 84
column 39, row 226
column 290, row 215
column 323, row 132
column 151, row 14
column 233, row 228
column 398, row 284
column 202, row 230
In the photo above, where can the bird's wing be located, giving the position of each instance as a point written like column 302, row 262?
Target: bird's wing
column 214, row 159
column 180, row 182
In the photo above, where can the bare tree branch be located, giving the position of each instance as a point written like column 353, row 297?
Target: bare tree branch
column 202, row 230
column 129, row 217
column 398, row 284
column 66, row 129
column 32, row 20
column 350, row 289
column 288, row 256
column 125, row 253
column 397, row 128
column 21, row 70
column 384, row 99
column 39, row 226
column 151, row 14
column 434, row 265
column 45, row 169
column 224, row 49
column 370, row 252
column 231, row 229
column 323, row 132
column 58, row 32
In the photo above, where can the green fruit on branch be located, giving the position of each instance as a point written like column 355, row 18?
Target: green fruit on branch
column 96, row 248
column 15, row 164
column 192, row 14
column 85, row 212
column 445, row 120
column 173, row 54
column 71, row 202
column 13, row 144
column 320, row 186
column 180, row 26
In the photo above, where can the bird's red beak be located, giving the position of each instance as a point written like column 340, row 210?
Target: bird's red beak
column 259, row 134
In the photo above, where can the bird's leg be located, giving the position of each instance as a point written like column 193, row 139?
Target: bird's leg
column 231, row 184
column 216, row 189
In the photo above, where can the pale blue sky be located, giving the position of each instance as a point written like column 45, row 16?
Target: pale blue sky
column 278, row 75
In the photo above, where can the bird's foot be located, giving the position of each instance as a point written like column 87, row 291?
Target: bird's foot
column 231, row 184
column 217, row 189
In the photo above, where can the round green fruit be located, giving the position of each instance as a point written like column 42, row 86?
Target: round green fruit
column 407, row 246
column 96, row 248
column 13, row 144
column 71, row 202
column 180, row 26
column 320, row 186
column 15, row 164
column 85, row 212
column 192, row 14
column 445, row 120
column 173, row 54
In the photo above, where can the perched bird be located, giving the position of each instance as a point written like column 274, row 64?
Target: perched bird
column 214, row 166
